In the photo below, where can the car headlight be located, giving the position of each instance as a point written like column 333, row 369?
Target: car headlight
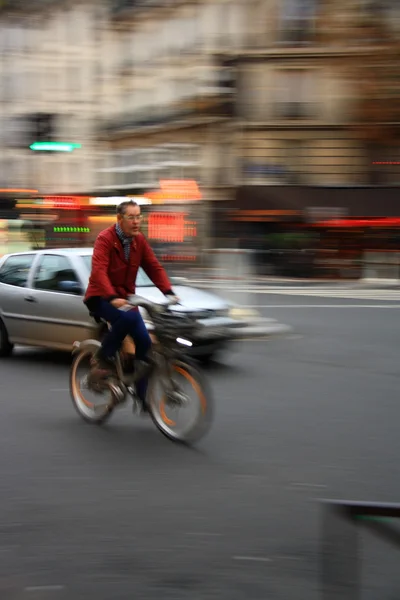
column 243, row 313
column 184, row 342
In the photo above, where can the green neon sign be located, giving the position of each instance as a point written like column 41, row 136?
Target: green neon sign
column 71, row 230
column 54, row 146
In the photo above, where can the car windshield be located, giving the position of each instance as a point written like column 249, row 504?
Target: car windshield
column 141, row 281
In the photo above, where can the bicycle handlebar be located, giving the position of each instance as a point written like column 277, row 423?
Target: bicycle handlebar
column 152, row 307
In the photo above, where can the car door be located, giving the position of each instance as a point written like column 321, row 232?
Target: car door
column 14, row 277
column 58, row 312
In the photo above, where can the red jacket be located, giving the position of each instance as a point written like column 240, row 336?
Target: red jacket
column 114, row 277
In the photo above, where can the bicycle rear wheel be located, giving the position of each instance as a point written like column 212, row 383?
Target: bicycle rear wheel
column 193, row 404
column 93, row 407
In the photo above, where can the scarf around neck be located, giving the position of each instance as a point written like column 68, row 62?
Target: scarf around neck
column 125, row 240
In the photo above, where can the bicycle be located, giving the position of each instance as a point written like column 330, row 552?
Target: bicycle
column 171, row 332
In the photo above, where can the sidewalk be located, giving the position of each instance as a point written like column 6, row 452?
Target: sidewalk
column 204, row 276
column 292, row 282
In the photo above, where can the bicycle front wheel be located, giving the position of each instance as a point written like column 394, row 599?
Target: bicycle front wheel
column 182, row 412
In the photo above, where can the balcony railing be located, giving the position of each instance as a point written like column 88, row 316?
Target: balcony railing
column 196, row 107
column 22, row 5
column 296, row 110
column 297, row 33
column 120, row 7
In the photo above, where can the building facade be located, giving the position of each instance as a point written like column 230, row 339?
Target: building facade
column 170, row 98
column 48, row 75
column 246, row 96
column 299, row 93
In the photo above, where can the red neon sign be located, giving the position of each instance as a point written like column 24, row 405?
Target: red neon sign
column 167, row 227
column 170, row 227
column 62, row 202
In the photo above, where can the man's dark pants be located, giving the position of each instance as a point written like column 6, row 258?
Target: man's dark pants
column 124, row 323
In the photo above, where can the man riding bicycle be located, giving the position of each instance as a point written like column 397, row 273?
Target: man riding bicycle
column 118, row 253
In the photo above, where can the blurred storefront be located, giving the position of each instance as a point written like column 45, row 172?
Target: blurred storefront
column 314, row 231
column 55, row 221
column 173, row 222
column 171, row 218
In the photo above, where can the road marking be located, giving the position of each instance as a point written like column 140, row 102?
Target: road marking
column 203, row 534
column 312, row 486
column 264, row 338
column 252, row 558
column 321, row 306
column 44, row 588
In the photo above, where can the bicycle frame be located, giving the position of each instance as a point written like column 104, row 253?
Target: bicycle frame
column 162, row 355
column 161, row 358
column 165, row 360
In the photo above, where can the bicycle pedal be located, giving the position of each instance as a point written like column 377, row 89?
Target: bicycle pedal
column 175, row 399
column 136, row 405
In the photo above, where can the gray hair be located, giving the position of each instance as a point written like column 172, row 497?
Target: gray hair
column 121, row 208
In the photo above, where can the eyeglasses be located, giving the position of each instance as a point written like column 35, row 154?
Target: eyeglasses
column 133, row 217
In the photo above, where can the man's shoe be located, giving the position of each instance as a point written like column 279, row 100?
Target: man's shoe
column 144, row 409
column 101, row 368
column 140, row 407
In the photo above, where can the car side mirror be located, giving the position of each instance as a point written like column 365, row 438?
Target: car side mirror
column 70, row 287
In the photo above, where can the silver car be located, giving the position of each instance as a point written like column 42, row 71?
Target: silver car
column 41, row 304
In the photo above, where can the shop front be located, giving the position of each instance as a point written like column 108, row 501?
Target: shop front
column 55, row 221
column 174, row 223
column 315, row 231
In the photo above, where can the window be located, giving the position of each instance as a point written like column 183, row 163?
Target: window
column 77, row 24
column 52, row 271
column 16, row 39
column 74, row 80
column 297, row 20
column 294, row 155
column 7, row 89
column 15, row 270
column 296, row 94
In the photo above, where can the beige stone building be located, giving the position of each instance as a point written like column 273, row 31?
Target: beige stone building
column 49, row 70
column 298, row 95
column 285, row 116
column 231, row 93
column 172, row 104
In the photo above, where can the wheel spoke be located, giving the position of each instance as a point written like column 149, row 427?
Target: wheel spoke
column 187, row 400
column 81, row 388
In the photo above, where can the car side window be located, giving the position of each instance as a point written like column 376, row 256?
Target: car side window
column 52, row 271
column 15, row 270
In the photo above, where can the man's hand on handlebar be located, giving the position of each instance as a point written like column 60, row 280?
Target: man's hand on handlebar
column 138, row 301
column 172, row 299
column 119, row 302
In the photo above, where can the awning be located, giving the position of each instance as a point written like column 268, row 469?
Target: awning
column 347, row 202
column 358, row 223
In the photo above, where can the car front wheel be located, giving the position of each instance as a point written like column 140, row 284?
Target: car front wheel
column 6, row 347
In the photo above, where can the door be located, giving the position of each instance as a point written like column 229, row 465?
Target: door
column 59, row 316
column 14, row 277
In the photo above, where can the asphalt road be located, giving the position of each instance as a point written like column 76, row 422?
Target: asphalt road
column 120, row 512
